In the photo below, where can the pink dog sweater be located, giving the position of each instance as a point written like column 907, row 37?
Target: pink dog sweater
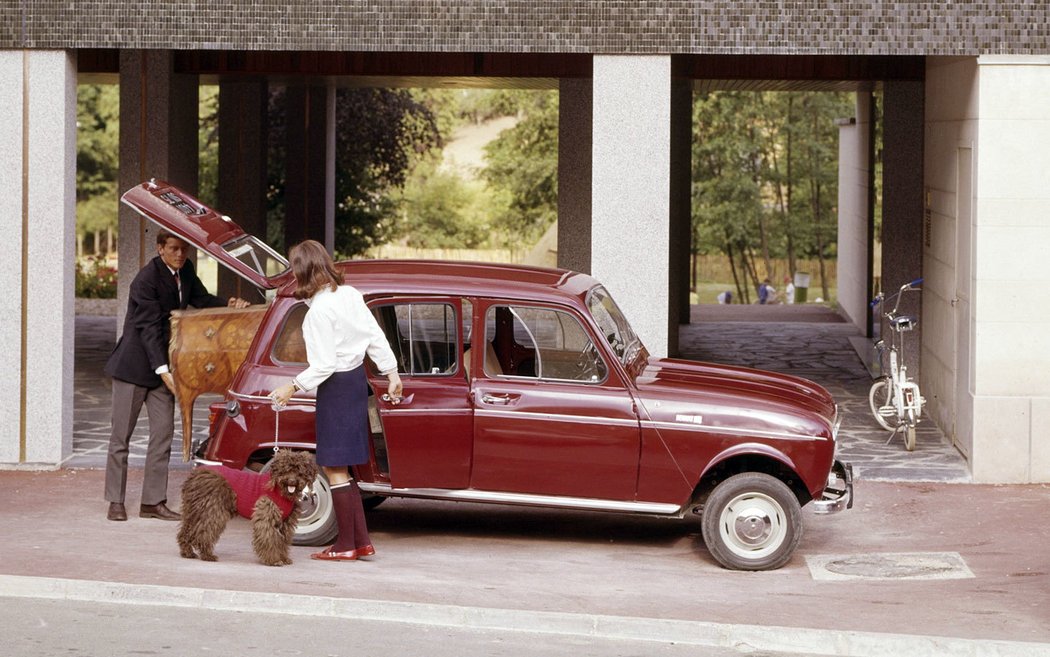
column 249, row 487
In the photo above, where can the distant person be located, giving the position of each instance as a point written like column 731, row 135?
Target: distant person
column 139, row 367
column 789, row 290
column 766, row 292
column 725, row 297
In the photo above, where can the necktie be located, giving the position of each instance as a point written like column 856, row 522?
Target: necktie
column 178, row 286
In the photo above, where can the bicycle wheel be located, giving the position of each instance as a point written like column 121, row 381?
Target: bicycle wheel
column 909, row 430
column 881, row 403
column 909, row 437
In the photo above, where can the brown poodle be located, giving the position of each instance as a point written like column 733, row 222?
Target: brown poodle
column 213, row 494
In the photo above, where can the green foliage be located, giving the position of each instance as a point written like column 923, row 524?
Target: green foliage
column 379, row 134
column 98, row 142
column 523, row 166
column 443, row 210
column 208, row 144
column 96, row 281
column 765, row 178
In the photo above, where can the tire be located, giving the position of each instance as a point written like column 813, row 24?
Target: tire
column 879, row 397
column 909, row 431
column 752, row 521
column 909, row 437
column 317, row 523
column 316, row 515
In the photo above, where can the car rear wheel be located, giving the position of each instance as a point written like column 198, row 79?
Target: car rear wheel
column 752, row 521
column 317, row 523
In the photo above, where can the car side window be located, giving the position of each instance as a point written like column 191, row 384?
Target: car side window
column 423, row 336
column 542, row 343
column 289, row 347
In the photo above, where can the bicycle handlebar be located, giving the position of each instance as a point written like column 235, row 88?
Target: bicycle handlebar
column 907, row 286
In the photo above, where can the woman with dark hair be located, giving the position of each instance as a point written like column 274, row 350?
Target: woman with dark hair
column 339, row 332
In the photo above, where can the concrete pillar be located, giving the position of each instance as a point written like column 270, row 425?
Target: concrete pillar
column 631, row 186
column 38, row 100
column 243, row 131
column 902, row 201
column 158, row 139
column 1010, row 339
column 575, row 117
column 681, row 216
column 855, row 220
column 305, row 162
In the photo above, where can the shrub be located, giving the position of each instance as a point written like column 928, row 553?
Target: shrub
column 96, row 280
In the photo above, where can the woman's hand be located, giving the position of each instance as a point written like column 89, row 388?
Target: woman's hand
column 280, row 396
column 394, row 388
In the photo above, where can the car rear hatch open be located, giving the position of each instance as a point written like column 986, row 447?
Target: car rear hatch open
column 181, row 214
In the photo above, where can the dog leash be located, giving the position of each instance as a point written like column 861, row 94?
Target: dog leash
column 276, row 426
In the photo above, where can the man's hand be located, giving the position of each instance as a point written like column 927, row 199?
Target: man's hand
column 236, row 302
column 169, row 381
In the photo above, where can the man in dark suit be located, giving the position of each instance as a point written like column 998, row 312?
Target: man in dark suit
column 139, row 367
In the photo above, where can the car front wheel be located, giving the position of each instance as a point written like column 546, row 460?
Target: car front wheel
column 752, row 521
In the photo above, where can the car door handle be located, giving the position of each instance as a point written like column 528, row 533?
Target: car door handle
column 403, row 401
column 495, row 399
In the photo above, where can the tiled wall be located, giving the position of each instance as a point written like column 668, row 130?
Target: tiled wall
column 586, row 26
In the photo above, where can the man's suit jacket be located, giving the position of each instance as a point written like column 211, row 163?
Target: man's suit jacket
column 143, row 347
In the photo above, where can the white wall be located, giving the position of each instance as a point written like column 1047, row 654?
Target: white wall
column 986, row 341
column 38, row 215
column 631, row 169
column 854, row 171
column 1011, row 277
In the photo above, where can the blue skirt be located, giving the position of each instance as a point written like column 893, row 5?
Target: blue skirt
column 341, row 419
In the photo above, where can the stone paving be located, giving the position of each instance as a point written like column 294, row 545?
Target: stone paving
column 820, row 349
column 817, row 348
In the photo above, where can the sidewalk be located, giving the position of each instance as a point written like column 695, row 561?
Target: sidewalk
column 565, row 572
column 925, row 563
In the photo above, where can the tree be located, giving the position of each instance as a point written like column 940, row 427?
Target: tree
column 379, row 133
column 765, row 179
column 98, row 135
column 443, row 210
column 523, row 166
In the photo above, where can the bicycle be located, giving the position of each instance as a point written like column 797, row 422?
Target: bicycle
column 895, row 399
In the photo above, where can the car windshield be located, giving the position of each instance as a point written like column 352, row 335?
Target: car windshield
column 614, row 326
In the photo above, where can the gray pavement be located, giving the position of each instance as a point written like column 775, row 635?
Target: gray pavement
column 920, row 566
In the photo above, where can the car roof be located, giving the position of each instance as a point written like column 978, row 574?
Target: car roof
column 444, row 277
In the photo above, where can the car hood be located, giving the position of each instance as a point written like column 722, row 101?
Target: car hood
column 739, row 398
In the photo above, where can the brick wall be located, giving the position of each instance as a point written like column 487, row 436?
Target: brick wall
column 541, row 26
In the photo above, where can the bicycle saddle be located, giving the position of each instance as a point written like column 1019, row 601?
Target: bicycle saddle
column 904, row 323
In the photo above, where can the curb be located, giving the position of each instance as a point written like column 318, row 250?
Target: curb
column 746, row 638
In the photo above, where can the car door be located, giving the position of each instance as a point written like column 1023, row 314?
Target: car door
column 428, row 434
column 551, row 416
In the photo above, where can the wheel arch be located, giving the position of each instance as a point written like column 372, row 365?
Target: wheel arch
column 750, row 458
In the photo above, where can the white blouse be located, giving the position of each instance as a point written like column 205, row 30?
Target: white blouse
column 339, row 330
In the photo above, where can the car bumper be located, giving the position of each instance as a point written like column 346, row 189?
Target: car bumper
column 838, row 495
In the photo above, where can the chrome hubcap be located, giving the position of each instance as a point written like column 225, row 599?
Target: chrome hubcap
column 753, row 526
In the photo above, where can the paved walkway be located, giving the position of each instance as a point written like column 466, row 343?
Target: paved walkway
column 815, row 342
column 809, row 341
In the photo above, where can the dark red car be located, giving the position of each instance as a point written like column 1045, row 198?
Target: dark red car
column 528, row 386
